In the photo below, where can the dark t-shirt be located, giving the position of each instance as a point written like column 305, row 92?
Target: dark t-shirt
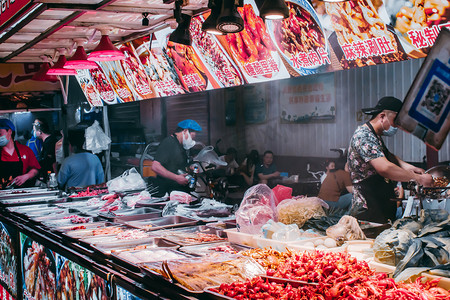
column 47, row 157
column 334, row 184
column 261, row 169
column 172, row 156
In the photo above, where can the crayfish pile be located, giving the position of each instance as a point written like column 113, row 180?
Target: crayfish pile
column 336, row 276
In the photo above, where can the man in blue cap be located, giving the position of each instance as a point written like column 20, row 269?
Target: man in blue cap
column 171, row 157
column 18, row 165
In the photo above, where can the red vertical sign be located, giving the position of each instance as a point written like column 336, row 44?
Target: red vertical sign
column 9, row 8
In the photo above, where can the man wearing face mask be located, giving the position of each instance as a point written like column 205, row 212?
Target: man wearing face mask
column 374, row 170
column 171, row 156
column 18, row 165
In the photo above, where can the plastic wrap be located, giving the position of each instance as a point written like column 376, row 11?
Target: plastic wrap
column 257, row 207
column 347, row 229
column 129, row 180
column 96, row 139
column 133, row 199
column 207, row 210
column 299, row 210
column 181, row 197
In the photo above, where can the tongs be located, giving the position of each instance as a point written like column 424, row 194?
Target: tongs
column 169, row 275
column 11, row 185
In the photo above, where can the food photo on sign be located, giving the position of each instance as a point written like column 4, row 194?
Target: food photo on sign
column 38, row 270
column 193, row 75
column 89, row 88
column 135, row 73
column 103, row 86
column 112, row 71
column 360, row 34
column 8, row 257
column 214, row 57
column 252, row 49
column 418, row 22
column 158, row 66
column 301, row 39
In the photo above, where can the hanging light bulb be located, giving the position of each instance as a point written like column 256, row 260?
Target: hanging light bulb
column 79, row 60
column 274, row 10
column 58, row 67
column 230, row 21
column 105, row 51
column 210, row 24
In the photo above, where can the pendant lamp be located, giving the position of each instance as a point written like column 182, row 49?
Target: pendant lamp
column 210, row 24
column 41, row 75
column 58, row 67
column 181, row 34
column 274, row 10
column 80, row 61
column 230, row 21
column 105, row 51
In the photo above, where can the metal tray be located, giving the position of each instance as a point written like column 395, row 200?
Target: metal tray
column 154, row 242
column 35, row 200
column 32, row 189
column 162, row 223
column 130, row 258
column 29, row 194
column 208, row 249
column 182, row 236
column 30, row 208
column 124, row 213
column 68, row 222
column 146, row 216
column 55, row 215
column 107, row 238
column 93, row 225
column 85, row 233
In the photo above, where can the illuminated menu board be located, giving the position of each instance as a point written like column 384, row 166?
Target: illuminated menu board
column 317, row 37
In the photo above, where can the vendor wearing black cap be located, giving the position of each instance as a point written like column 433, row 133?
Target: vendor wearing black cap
column 18, row 165
column 373, row 167
column 171, row 156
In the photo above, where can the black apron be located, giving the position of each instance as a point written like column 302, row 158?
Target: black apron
column 377, row 191
column 10, row 169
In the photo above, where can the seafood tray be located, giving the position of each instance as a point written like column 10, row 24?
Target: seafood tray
column 91, row 232
column 191, row 235
column 93, row 225
column 125, row 234
column 123, row 213
column 30, row 208
column 71, row 220
column 142, row 256
column 54, row 215
column 120, row 246
column 17, row 194
column 162, row 223
column 21, row 191
column 208, row 249
column 32, row 200
column 146, row 216
column 51, row 210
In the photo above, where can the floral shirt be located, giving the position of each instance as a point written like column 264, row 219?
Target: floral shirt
column 364, row 147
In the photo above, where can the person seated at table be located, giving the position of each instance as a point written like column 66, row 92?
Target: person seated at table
column 267, row 170
column 330, row 167
column 337, row 190
column 230, row 159
column 248, row 166
column 82, row 168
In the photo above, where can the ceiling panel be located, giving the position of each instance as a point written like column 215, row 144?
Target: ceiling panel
column 21, row 37
column 10, row 46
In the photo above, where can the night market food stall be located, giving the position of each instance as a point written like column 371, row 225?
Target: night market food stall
column 103, row 243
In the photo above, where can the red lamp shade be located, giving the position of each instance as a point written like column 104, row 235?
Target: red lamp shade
column 80, row 61
column 41, row 75
column 105, row 51
column 58, row 68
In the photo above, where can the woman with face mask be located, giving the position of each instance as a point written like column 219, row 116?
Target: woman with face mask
column 171, row 157
column 374, row 170
column 18, row 165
